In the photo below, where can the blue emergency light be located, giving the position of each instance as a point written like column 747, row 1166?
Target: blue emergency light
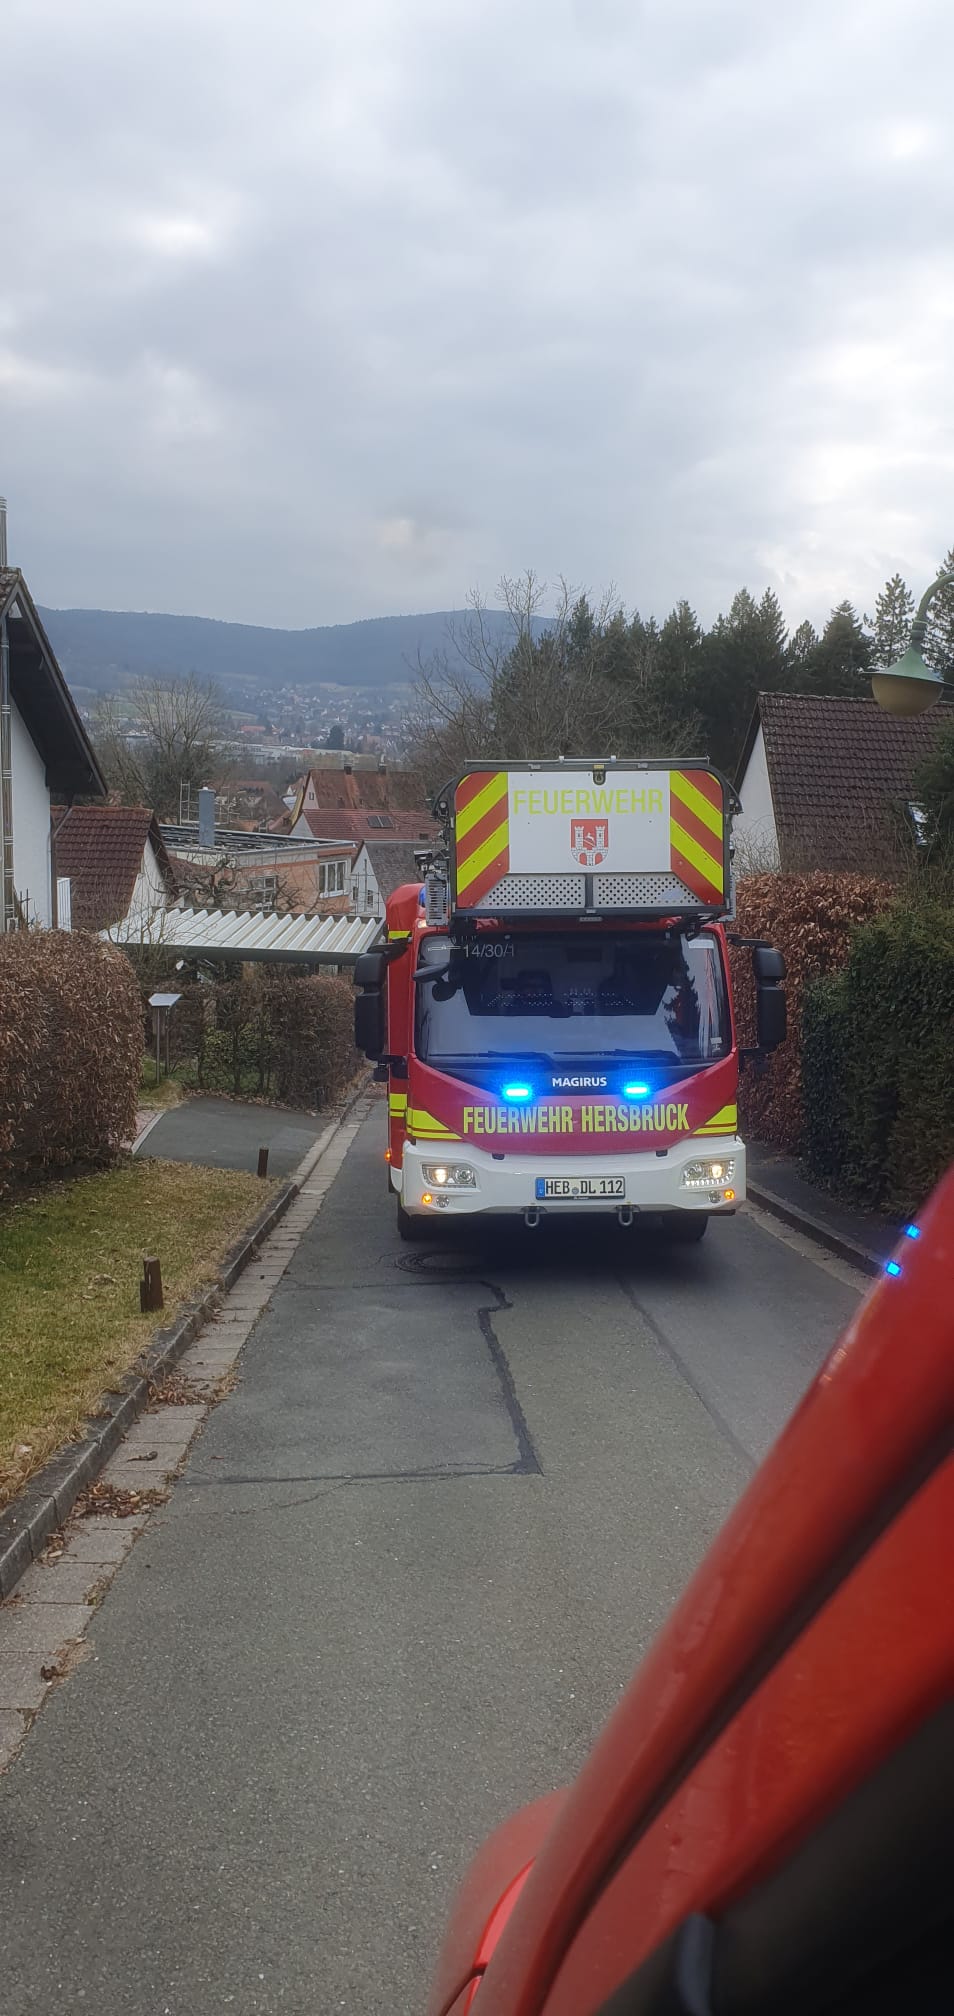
column 892, row 1268
column 635, row 1091
column 518, row 1091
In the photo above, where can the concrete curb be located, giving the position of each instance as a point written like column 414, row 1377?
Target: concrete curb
column 46, row 1501
column 815, row 1228
column 309, row 1162
column 147, row 1130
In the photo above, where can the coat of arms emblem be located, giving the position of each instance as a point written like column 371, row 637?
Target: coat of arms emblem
column 589, row 841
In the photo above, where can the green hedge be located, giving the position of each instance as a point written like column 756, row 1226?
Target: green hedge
column 268, row 1035
column 878, row 1062
column 826, row 1055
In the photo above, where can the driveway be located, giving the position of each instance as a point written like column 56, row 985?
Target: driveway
column 228, row 1133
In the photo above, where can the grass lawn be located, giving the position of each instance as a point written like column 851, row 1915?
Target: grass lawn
column 70, row 1264
column 168, row 1092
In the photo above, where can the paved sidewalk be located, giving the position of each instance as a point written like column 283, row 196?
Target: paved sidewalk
column 781, row 1179
column 228, row 1133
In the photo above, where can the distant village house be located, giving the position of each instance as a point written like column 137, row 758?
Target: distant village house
column 237, row 869
column 380, row 867
column 357, row 805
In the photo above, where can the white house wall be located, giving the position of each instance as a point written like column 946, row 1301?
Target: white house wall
column 365, row 888
column 149, row 894
column 754, row 831
column 31, row 825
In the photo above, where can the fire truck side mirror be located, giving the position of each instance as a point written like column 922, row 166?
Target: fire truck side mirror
column 370, row 969
column 370, row 1017
column 771, row 1017
column 370, row 1022
column 767, row 963
column 771, row 1013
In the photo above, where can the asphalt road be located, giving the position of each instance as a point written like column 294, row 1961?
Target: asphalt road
column 228, row 1133
column 407, row 1572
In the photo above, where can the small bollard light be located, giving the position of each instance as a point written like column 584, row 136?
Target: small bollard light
column 150, row 1287
column 263, row 1162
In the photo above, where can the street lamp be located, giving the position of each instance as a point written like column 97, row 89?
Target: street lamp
column 910, row 686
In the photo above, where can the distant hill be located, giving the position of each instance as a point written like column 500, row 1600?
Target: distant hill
column 104, row 649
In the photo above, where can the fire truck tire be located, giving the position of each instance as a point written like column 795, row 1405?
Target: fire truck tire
column 411, row 1228
column 686, row 1230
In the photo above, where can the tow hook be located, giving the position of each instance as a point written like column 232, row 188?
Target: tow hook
column 625, row 1214
column 531, row 1219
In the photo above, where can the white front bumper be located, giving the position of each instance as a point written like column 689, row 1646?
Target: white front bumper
column 653, row 1182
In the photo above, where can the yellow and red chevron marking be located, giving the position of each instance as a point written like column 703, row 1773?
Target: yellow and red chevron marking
column 697, row 832
column 425, row 1127
column 724, row 1122
column 482, row 834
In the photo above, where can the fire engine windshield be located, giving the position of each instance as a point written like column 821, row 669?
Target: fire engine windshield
column 587, row 995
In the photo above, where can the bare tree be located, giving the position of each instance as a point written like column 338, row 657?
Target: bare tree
column 229, row 883
column 579, row 681
column 169, row 738
column 755, row 854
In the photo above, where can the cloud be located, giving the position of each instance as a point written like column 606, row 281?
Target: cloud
column 342, row 319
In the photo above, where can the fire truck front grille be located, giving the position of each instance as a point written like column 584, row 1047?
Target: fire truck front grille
column 633, row 892
column 568, row 892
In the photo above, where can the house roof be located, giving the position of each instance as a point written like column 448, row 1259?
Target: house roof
column 101, row 848
column 393, row 863
column 839, row 771
column 362, row 825
column 42, row 697
column 266, row 801
column 265, row 934
column 366, row 790
column 238, row 841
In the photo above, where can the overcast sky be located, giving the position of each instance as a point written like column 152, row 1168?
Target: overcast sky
column 312, row 311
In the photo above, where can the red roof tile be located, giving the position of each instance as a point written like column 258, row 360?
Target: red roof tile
column 365, row 790
column 359, row 825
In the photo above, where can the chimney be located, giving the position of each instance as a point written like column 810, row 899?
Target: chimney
column 3, row 531
column 206, row 817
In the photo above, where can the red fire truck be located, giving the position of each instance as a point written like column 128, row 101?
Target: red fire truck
column 765, row 1827
column 552, row 1009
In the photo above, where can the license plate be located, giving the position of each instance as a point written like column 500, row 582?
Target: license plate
column 581, row 1189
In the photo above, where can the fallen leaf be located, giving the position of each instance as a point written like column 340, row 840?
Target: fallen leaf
column 117, row 1502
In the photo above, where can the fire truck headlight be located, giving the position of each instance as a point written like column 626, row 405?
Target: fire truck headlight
column 449, row 1176
column 702, row 1175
